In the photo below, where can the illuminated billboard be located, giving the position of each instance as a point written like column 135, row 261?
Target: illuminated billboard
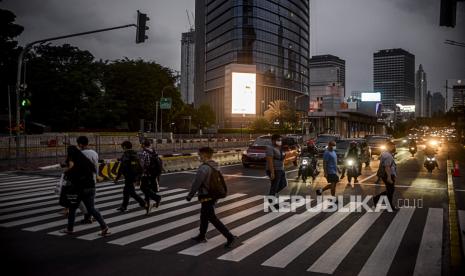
column 371, row 97
column 243, row 93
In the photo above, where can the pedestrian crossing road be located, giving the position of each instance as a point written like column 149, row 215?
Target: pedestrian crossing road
column 306, row 242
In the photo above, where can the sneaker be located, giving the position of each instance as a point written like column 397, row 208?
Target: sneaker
column 121, row 209
column 199, row 239
column 105, row 232
column 230, row 243
column 148, row 207
column 157, row 203
column 66, row 231
column 319, row 192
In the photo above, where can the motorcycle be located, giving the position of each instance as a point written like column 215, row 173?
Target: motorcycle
column 430, row 163
column 308, row 168
column 352, row 169
column 413, row 150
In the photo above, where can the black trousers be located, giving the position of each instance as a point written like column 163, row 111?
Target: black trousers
column 207, row 214
column 130, row 191
column 149, row 186
column 390, row 188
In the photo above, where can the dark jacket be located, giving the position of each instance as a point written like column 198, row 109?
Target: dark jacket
column 82, row 177
column 127, row 168
column 200, row 185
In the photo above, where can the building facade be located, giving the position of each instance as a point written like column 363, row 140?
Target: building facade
column 394, row 77
column 271, row 35
column 420, row 93
column 327, row 70
column 187, row 66
column 458, row 97
column 438, row 103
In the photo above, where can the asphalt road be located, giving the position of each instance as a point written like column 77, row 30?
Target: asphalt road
column 412, row 241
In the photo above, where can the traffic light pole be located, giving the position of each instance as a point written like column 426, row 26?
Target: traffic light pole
column 20, row 64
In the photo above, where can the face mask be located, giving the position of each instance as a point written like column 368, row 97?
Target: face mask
column 279, row 143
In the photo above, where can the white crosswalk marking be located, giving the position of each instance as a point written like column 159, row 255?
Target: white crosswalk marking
column 10, row 183
column 330, row 260
column 141, row 222
column 381, row 258
column 298, row 246
column 430, row 252
column 259, row 241
column 28, row 186
column 56, row 215
column 212, row 243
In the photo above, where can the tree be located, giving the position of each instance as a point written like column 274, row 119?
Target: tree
column 9, row 52
column 280, row 111
column 260, row 125
column 204, row 116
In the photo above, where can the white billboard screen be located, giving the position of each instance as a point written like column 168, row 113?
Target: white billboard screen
column 243, row 93
column 371, row 97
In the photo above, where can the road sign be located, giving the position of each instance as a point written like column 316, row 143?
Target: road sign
column 165, row 103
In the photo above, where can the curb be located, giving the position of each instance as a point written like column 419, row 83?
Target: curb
column 454, row 229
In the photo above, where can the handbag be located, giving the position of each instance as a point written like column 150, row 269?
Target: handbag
column 69, row 195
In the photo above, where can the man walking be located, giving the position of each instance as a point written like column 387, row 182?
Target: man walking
column 201, row 186
column 275, row 165
column 151, row 171
column 83, row 144
column 330, row 169
column 387, row 171
column 131, row 169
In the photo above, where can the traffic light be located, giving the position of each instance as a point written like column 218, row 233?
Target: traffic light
column 25, row 103
column 142, row 19
column 448, row 13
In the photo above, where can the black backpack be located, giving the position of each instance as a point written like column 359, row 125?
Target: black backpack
column 155, row 167
column 131, row 165
column 217, row 186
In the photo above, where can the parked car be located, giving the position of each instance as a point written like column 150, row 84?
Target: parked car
column 377, row 144
column 256, row 152
column 322, row 141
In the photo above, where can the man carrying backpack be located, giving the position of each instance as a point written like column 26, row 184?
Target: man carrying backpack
column 152, row 167
column 209, row 186
column 131, row 169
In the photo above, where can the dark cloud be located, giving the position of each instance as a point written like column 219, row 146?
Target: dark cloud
column 353, row 30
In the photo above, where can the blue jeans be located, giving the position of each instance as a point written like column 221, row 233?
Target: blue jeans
column 88, row 198
column 278, row 183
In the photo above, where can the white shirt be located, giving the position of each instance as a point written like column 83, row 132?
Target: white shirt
column 386, row 158
column 93, row 157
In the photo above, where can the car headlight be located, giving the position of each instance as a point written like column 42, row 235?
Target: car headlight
column 404, row 141
column 304, row 162
column 433, row 142
column 383, row 147
column 412, row 148
column 350, row 162
column 244, row 152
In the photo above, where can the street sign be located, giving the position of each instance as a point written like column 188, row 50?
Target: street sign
column 165, row 103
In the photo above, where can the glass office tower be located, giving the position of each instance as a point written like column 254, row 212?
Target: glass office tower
column 273, row 35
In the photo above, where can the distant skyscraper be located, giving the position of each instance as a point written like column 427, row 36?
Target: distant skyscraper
column 420, row 93
column 458, row 97
column 438, row 103
column 327, row 70
column 187, row 66
column 394, row 77
column 428, row 105
column 271, row 37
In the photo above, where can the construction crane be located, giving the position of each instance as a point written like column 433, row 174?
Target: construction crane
column 191, row 26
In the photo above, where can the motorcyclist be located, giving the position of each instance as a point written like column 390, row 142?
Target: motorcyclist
column 430, row 151
column 412, row 144
column 354, row 154
column 311, row 152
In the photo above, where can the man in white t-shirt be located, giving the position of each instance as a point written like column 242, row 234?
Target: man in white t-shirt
column 83, row 144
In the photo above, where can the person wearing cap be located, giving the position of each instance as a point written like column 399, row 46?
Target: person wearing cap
column 330, row 169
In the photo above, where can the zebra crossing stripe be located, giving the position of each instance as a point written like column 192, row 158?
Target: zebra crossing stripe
column 381, row 258
column 201, row 248
column 298, row 246
column 332, row 258
column 56, row 215
column 28, row 185
column 130, row 225
column 184, row 221
column 429, row 255
column 31, row 188
column 11, row 183
column 25, row 192
column 127, row 215
column 62, row 222
column 257, row 242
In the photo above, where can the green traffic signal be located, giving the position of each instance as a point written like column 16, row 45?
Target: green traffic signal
column 26, row 103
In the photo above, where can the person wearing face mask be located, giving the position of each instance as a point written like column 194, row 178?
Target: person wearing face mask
column 275, row 165
column 330, row 169
column 387, row 171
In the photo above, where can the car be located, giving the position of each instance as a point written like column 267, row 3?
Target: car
column 377, row 144
column 322, row 141
column 256, row 152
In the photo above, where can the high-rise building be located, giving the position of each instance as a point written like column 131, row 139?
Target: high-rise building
column 420, row 93
column 187, row 66
column 428, row 105
column 394, row 77
column 327, row 70
column 270, row 40
column 438, row 103
column 458, row 97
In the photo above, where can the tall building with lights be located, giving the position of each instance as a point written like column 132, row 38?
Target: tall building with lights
column 267, row 38
column 187, row 66
column 421, row 86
